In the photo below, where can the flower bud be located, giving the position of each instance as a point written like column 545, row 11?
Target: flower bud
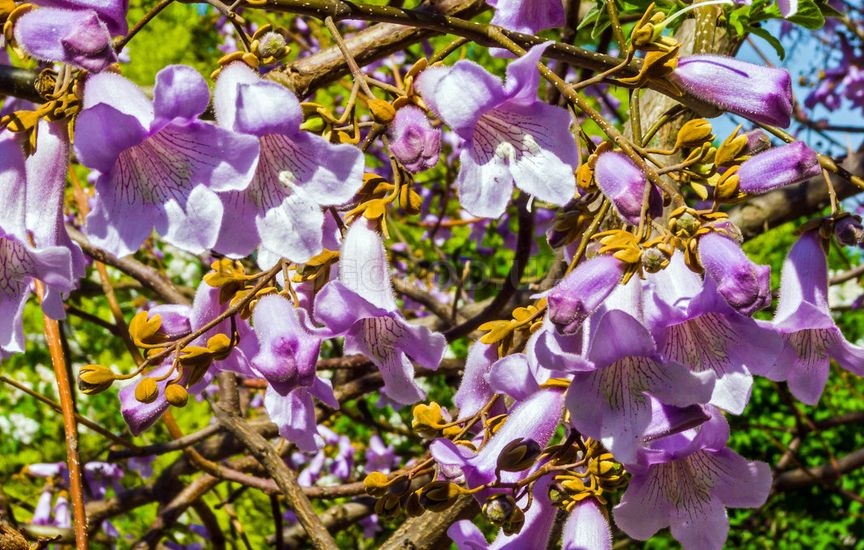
column 849, row 231
column 144, row 330
column 778, row 167
column 413, row 141
column 176, row 395
column 382, row 111
column 514, row 523
column 760, row 93
column 694, row 133
column 582, row 291
column 94, row 379
column 219, row 346
column 376, row 484
column 623, row 183
column 146, row 391
column 498, row 508
column 437, row 496
column 518, row 455
column 272, row 44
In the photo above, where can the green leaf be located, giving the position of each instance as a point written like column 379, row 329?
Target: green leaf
column 738, row 18
column 770, row 38
column 808, row 15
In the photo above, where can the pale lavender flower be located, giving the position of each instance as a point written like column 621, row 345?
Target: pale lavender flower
column 361, row 306
column 586, row 528
column 612, row 403
column 298, row 173
column 694, row 326
column 42, row 511
column 413, row 140
column 624, row 183
column 760, row 93
column 77, row 32
column 510, row 136
column 804, row 321
column 528, row 16
column 686, row 481
column 778, row 167
column 158, row 164
column 744, row 285
column 379, row 457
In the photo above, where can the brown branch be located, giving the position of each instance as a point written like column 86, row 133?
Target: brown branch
column 70, row 424
column 335, row 519
column 284, row 477
column 147, row 276
column 805, row 477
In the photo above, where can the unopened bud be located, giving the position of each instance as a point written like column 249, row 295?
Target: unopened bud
column 272, row 44
column 382, row 111
column 437, row 496
column 498, row 508
column 176, row 395
column 220, row 346
column 146, row 391
column 514, row 523
column 518, row 455
column 654, row 260
column 95, row 379
column 387, row 506
column 694, row 133
column 849, row 231
column 376, row 484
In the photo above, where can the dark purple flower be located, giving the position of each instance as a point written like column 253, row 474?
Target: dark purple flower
column 778, row 167
column 760, row 93
column 510, row 136
column 158, row 164
column 413, row 140
column 743, row 284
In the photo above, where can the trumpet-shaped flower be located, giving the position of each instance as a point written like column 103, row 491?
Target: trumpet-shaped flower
column 804, row 321
column 686, row 481
column 287, row 358
column 361, row 306
column 157, row 164
column 510, row 136
column 582, row 291
column 695, row 327
column 612, row 403
column 760, row 93
column 297, row 173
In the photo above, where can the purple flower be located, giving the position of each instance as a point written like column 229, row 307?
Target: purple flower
column 778, row 167
column 413, row 140
column 743, row 284
column 804, row 321
column 528, row 16
column 623, row 183
column 695, row 327
column 361, row 306
column 74, row 32
column 158, row 165
column 582, row 291
column 510, row 136
column 21, row 262
column 586, row 527
column 612, row 403
column 297, row 173
column 287, row 358
column 686, row 481
column 760, row 93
